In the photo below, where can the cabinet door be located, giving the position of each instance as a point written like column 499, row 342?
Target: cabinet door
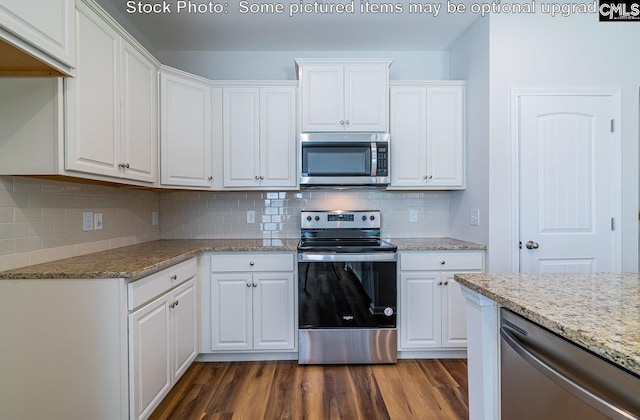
column 366, row 97
column 183, row 328
column 231, row 317
column 454, row 322
column 273, row 311
column 185, row 133
column 93, row 143
column 445, row 136
column 149, row 361
column 241, row 137
column 48, row 25
column 139, row 115
column 278, row 137
column 408, row 132
column 420, row 310
column 322, row 93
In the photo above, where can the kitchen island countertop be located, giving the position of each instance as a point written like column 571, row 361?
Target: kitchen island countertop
column 600, row 312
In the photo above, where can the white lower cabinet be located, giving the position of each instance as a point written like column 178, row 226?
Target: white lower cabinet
column 252, row 302
column 162, row 335
column 432, row 308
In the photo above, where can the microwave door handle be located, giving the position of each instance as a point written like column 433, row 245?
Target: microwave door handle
column 374, row 159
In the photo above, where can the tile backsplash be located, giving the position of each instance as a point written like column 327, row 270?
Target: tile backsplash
column 219, row 215
column 41, row 220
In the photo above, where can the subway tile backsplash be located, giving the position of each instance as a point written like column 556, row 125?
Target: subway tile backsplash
column 219, row 215
column 41, row 220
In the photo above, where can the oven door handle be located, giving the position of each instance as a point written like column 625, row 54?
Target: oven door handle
column 347, row 257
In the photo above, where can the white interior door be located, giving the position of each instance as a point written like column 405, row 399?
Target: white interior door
column 568, row 184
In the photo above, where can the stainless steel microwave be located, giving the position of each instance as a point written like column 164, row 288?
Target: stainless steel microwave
column 344, row 159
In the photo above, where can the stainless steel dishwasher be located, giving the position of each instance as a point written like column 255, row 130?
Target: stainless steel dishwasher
column 544, row 376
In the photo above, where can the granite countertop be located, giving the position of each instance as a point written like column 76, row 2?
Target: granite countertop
column 135, row 261
column 434, row 244
column 600, row 312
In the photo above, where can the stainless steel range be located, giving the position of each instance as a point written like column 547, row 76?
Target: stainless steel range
column 347, row 289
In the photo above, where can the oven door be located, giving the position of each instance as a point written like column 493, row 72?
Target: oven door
column 347, row 290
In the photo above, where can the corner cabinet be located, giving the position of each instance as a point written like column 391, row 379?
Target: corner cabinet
column 186, row 157
column 252, row 302
column 344, row 95
column 42, row 28
column 432, row 308
column 163, row 334
column 427, row 135
column 259, row 135
column 112, row 126
column 97, row 348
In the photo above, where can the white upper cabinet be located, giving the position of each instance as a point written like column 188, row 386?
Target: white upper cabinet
column 185, row 130
column 259, row 136
column 112, row 102
column 344, row 95
column 427, row 135
column 44, row 29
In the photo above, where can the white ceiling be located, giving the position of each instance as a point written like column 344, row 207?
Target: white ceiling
column 357, row 31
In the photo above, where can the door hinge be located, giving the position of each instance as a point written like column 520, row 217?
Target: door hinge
column 520, row 244
column 613, row 125
column 613, row 223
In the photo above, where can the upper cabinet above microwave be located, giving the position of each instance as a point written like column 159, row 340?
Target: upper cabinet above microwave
column 37, row 37
column 344, row 95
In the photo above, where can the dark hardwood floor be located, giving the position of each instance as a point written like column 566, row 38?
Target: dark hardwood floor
column 410, row 389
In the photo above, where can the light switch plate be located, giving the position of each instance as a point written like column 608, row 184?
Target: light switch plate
column 251, row 216
column 474, row 217
column 154, row 218
column 87, row 221
column 413, row 216
column 97, row 221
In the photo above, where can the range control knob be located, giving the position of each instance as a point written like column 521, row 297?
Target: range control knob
column 364, row 218
column 317, row 218
column 372, row 217
column 308, row 218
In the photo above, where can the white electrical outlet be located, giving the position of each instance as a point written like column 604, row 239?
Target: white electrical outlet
column 154, row 218
column 251, row 216
column 413, row 216
column 474, row 217
column 97, row 221
column 87, row 221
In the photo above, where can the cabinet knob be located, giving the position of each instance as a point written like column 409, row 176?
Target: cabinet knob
column 443, row 262
column 126, row 165
column 257, row 177
column 254, row 285
column 248, row 284
column 251, row 263
column 210, row 178
column 342, row 122
column 446, row 283
column 346, row 122
column 439, row 283
column 174, row 277
column 261, row 177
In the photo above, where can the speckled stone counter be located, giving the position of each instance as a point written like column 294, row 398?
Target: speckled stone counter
column 600, row 312
column 135, row 261
column 434, row 244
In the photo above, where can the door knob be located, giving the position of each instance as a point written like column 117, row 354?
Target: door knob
column 532, row 245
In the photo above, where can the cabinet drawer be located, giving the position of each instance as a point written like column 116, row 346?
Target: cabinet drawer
column 153, row 285
column 252, row 262
column 441, row 261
